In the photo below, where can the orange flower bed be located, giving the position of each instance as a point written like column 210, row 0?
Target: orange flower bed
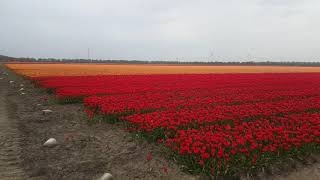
column 38, row 70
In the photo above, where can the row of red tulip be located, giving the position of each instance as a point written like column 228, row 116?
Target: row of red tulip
column 178, row 99
column 66, row 87
column 173, row 119
column 220, row 148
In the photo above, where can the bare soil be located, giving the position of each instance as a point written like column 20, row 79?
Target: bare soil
column 10, row 162
column 87, row 151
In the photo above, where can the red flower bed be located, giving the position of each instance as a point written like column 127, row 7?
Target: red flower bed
column 215, row 124
column 177, row 99
column 74, row 86
column 172, row 120
column 220, row 148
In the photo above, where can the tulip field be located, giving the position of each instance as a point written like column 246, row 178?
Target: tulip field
column 211, row 123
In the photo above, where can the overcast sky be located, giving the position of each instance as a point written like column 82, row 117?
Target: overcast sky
column 162, row 29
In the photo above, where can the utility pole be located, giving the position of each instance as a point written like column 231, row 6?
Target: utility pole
column 250, row 56
column 89, row 54
column 211, row 56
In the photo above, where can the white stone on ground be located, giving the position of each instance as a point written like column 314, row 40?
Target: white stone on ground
column 47, row 111
column 39, row 104
column 51, row 142
column 21, row 89
column 21, row 85
column 106, row 176
column 23, row 93
column 11, row 82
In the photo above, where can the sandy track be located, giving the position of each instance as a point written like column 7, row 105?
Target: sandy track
column 10, row 162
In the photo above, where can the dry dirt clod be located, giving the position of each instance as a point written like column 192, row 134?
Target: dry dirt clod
column 23, row 93
column 21, row 85
column 51, row 142
column 106, row 176
column 47, row 111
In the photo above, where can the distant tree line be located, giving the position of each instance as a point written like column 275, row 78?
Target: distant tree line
column 247, row 63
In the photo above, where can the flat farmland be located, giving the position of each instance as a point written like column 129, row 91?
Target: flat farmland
column 217, row 121
column 35, row 70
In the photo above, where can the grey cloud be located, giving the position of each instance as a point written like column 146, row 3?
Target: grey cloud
column 166, row 29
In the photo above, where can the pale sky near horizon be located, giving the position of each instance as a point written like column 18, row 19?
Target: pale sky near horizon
column 228, row 30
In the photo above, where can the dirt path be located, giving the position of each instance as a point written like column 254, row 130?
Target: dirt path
column 10, row 162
